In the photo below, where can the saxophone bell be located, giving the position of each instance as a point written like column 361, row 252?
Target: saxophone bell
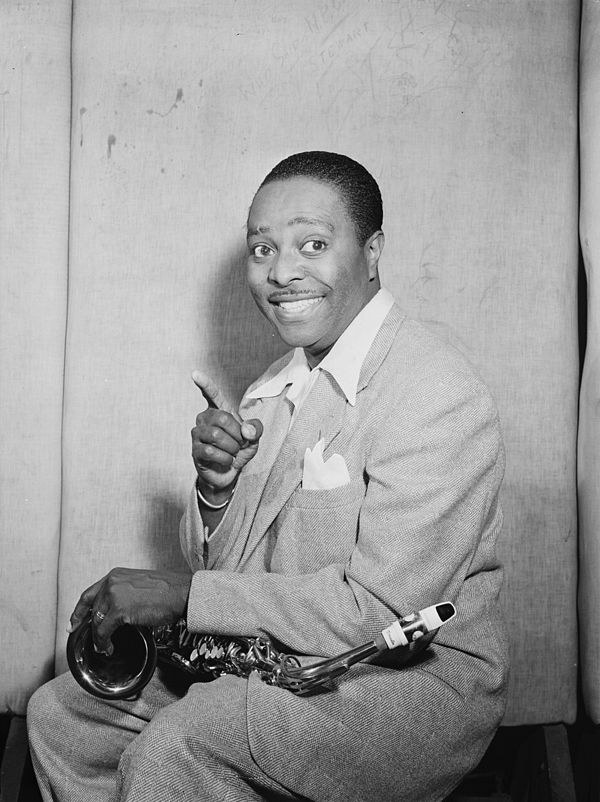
column 124, row 673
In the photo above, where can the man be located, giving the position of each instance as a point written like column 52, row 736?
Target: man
column 358, row 482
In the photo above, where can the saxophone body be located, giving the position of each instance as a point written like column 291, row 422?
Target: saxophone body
column 204, row 657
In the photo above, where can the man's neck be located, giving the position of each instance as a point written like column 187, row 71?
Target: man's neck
column 314, row 358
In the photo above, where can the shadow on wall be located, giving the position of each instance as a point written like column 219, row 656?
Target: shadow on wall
column 239, row 344
column 164, row 514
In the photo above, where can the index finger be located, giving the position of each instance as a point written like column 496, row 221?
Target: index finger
column 213, row 394
column 84, row 605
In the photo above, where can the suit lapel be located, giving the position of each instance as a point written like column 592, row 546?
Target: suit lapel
column 321, row 415
column 275, row 415
column 381, row 345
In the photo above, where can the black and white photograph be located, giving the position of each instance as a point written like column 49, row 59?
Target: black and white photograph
column 299, row 401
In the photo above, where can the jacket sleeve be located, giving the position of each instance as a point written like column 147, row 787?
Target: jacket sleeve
column 432, row 474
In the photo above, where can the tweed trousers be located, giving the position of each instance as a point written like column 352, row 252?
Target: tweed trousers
column 155, row 749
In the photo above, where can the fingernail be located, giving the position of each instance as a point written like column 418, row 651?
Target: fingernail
column 250, row 430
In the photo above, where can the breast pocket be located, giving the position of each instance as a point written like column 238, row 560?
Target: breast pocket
column 316, row 528
column 327, row 499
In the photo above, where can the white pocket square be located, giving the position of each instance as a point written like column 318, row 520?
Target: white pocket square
column 320, row 475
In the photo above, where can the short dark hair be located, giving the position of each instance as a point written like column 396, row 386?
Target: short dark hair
column 355, row 184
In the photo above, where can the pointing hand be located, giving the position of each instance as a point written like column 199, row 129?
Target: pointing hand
column 221, row 442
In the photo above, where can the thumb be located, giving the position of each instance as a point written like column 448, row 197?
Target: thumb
column 212, row 393
column 252, row 430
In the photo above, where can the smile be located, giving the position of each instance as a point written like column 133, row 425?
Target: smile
column 288, row 310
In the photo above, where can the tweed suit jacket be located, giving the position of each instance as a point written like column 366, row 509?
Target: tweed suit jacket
column 322, row 571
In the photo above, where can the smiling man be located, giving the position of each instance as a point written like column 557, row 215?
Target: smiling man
column 357, row 482
column 309, row 270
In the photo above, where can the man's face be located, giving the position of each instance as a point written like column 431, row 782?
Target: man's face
column 306, row 270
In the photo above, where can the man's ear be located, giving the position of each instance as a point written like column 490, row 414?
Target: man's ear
column 373, row 249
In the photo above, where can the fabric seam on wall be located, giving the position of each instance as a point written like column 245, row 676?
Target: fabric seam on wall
column 67, row 305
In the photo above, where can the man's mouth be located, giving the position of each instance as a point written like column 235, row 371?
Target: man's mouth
column 298, row 306
column 294, row 310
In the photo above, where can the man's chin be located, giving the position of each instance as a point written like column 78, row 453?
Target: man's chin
column 312, row 347
column 296, row 335
column 295, row 341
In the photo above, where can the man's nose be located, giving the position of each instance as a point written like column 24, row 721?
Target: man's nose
column 285, row 268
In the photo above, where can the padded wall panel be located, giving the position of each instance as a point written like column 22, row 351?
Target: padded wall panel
column 466, row 114
column 34, row 179
column 589, row 427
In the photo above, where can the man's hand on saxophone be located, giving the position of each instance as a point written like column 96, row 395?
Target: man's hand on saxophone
column 131, row 596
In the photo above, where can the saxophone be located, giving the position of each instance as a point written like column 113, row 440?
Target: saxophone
column 202, row 657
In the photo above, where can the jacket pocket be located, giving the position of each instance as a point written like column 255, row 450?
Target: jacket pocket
column 346, row 495
column 316, row 528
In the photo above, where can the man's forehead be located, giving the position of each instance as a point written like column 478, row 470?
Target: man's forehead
column 297, row 220
column 295, row 202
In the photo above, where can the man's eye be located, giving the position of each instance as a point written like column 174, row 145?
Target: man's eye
column 260, row 251
column 313, row 246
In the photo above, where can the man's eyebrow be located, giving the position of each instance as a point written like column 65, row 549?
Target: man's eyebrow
column 311, row 221
column 252, row 232
column 299, row 220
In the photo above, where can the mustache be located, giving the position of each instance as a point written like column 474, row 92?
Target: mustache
column 287, row 294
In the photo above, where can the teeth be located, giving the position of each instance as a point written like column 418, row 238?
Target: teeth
column 298, row 306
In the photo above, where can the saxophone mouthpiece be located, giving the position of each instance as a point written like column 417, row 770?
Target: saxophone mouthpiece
column 414, row 626
column 446, row 611
column 437, row 614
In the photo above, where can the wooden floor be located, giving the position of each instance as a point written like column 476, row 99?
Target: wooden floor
column 552, row 763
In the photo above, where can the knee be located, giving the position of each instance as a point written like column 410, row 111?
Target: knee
column 41, row 709
column 208, row 724
column 162, row 741
column 50, row 706
column 161, row 756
